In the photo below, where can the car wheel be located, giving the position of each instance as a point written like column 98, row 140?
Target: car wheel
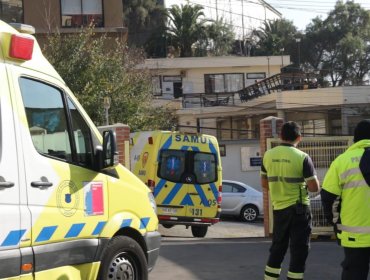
column 123, row 259
column 249, row 213
column 199, row 231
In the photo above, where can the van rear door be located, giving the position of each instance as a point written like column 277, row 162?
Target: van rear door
column 187, row 185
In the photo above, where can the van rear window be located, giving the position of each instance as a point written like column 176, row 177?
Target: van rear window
column 187, row 167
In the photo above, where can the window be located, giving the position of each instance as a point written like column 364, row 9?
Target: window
column 48, row 124
column 220, row 83
column 187, row 167
column 76, row 13
column 204, row 167
column 11, row 11
column 313, row 127
column 82, row 136
column 232, row 188
column 172, row 165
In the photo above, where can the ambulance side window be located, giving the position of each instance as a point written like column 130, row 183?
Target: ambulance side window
column 46, row 117
column 82, row 136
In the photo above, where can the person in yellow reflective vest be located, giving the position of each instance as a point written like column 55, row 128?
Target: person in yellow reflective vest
column 287, row 173
column 346, row 201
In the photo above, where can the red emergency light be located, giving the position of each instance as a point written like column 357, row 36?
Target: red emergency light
column 21, row 47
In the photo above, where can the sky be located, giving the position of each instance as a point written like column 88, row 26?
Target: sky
column 301, row 12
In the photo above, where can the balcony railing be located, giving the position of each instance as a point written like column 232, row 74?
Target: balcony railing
column 190, row 100
column 278, row 82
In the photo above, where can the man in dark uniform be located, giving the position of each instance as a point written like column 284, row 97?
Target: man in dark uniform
column 287, row 173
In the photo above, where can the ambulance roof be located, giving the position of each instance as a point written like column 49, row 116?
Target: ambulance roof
column 38, row 62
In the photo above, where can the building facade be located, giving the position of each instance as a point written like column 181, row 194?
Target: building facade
column 208, row 94
column 65, row 16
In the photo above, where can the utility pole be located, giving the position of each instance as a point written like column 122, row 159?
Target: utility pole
column 243, row 39
column 216, row 10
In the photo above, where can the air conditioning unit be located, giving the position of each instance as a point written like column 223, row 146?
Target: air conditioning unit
column 183, row 73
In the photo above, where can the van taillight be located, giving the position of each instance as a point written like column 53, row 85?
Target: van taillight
column 150, row 140
column 151, row 185
column 21, row 47
column 219, row 198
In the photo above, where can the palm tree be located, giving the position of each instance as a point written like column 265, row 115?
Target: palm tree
column 274, row 36
column 186, row 27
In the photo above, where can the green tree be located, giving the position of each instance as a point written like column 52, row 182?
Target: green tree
column 186, row 27
column 94, row 67
column 339, row 46
column 274, row 36
column 219, row 38
column 142, row 18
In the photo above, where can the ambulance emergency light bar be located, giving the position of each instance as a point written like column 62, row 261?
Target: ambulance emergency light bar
column 21, row 47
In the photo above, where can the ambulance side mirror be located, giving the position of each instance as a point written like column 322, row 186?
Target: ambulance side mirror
column 110, row 154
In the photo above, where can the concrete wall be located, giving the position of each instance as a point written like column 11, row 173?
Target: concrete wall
column 232, row 163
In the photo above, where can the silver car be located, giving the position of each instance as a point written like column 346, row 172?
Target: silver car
column 241, row 200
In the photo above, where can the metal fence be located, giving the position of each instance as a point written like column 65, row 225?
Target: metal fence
column 322, row 150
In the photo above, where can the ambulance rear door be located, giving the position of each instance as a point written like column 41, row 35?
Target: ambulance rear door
column 11, row 231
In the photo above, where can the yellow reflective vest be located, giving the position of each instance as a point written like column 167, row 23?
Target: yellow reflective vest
column 344, row 179
column 284, row 167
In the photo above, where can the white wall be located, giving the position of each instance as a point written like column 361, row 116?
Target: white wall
column 232, row 163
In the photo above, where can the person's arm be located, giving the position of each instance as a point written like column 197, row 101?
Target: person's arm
column 327, row 201
column 309, row 173
column 313, row 184
column 331, row 192
column 264, row 180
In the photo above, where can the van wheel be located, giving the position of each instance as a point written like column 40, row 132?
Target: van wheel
column 199, row 231
column 249, row 213
column 167, row 226
column 123, row 259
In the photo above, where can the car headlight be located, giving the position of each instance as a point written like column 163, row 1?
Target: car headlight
column 152, row 201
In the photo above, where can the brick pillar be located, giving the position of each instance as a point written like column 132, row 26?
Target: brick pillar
column 123, row 141
column 269, row 128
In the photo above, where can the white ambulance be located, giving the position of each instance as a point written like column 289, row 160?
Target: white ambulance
column 185, row 174
column 67, row 209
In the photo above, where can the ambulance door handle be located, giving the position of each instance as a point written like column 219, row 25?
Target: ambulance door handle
column 192, row 193
column 41, row 184
column 4, row 184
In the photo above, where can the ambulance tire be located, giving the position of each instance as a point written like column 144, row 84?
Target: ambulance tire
column 249, row 213
column 199, row 231
column 123, row 259
column 167, row 226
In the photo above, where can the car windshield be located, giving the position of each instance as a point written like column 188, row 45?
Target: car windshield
column 187, row 167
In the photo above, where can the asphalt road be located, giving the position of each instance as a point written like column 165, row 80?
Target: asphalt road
column 231, row 257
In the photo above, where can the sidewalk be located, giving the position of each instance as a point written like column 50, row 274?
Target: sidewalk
column 226, row 228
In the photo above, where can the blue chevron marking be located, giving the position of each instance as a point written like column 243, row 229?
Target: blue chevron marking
column 202, row 195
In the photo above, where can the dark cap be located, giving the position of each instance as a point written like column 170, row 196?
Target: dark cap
column 362, row 130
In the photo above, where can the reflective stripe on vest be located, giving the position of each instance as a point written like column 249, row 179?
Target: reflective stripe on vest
column 353, row 229
column 352, row 184
column 285, row 179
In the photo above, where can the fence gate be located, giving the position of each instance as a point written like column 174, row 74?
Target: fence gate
column 322, row 150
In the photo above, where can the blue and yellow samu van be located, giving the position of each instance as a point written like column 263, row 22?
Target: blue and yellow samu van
column 67, row 209
column 184, row 172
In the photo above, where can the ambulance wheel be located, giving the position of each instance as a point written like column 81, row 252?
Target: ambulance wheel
column 249, row 213
column 167, row 226
column 123, row 259
column 199, row 231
